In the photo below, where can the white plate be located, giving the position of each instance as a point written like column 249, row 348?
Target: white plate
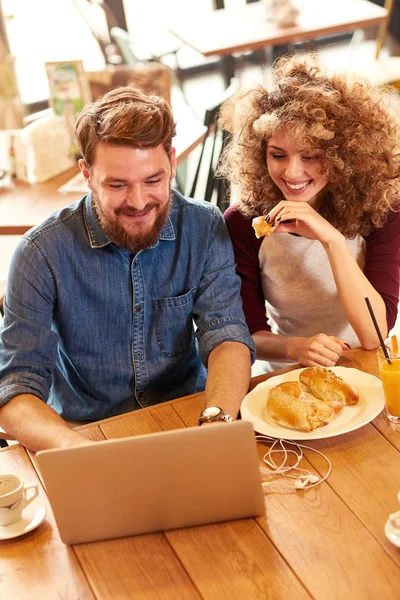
column 32, row 516
column 352, row 417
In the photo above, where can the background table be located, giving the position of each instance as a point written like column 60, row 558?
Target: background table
column 246, row 27
column 24, row 205
column 324, row 543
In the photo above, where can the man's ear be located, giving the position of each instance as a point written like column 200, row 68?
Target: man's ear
column 172, row 158
column 85, row 172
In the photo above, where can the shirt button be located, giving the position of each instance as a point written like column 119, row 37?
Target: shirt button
column 134, row 264
column 138, row 309
column 138, row 355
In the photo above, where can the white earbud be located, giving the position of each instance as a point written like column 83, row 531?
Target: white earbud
column 300, row 483
column 303, row 481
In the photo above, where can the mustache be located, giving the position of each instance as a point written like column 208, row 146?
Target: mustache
column 134, row 212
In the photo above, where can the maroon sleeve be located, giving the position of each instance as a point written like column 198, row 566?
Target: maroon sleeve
column 382, row 264
column 246, row 247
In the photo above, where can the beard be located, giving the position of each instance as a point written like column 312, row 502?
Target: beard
column 134, row 242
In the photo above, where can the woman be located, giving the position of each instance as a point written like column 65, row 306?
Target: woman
column 319, row 156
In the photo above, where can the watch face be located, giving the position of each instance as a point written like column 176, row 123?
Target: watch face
column 211, row 411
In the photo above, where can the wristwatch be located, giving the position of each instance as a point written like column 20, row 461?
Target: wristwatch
column 214, row 413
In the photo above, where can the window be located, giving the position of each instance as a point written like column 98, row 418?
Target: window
column 59, row 33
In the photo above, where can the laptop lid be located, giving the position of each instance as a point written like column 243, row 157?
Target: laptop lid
column 153, row 482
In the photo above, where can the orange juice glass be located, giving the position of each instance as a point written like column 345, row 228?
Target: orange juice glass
column 390, row 375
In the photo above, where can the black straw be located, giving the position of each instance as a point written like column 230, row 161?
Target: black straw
column 378, row 331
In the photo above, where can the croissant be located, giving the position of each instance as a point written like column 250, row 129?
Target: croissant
column 261, row 227
column 324, row 384
column 289, row 406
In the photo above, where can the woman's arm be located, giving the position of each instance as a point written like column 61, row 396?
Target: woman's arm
column 382, row 264
column 353, row 287
column 321, row 349
column 351, row 283
column 316, row 351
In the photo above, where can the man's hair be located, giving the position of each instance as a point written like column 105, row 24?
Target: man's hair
column 124, row 116
column 343, row 115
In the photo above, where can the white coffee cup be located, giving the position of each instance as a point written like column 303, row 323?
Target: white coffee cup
column 14, row 497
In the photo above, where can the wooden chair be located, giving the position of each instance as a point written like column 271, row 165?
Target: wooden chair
column 151, row 77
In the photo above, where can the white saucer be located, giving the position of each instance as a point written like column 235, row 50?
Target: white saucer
column 392, row 534
column 32, row 516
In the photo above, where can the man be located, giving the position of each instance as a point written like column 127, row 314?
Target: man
column 102, row 296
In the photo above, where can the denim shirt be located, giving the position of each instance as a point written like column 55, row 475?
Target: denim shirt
column 94, row 330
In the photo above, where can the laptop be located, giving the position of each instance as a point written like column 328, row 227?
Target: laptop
column 153, row 482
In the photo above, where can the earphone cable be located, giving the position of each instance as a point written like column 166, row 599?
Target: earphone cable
column 307, row 479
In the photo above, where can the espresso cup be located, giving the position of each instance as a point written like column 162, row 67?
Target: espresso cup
column 14, row 497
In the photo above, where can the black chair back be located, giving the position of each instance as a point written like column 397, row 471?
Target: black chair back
column 213, row 145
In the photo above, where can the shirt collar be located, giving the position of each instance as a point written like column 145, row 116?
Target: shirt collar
column 97, row 237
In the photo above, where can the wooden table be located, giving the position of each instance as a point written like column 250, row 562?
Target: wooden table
column 24, row 205
column 324, row 543
column 246, row 27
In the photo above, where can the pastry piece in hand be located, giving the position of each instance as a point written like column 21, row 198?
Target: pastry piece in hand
column 261, row 227
column 289, row 406
column 324, row 384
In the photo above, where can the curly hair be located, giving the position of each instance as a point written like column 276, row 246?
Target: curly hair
column 124, row 116
column 349, row 119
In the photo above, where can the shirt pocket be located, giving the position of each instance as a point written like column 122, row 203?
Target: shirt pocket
column 174, row 324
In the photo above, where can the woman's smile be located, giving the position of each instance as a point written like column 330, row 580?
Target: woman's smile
column 298, row 188
column 297, row 171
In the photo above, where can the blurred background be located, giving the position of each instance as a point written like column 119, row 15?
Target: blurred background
column 56, row 55
column 40, row 31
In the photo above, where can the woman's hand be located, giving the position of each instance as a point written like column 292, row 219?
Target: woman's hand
column 318, row 351
column 301, row 218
